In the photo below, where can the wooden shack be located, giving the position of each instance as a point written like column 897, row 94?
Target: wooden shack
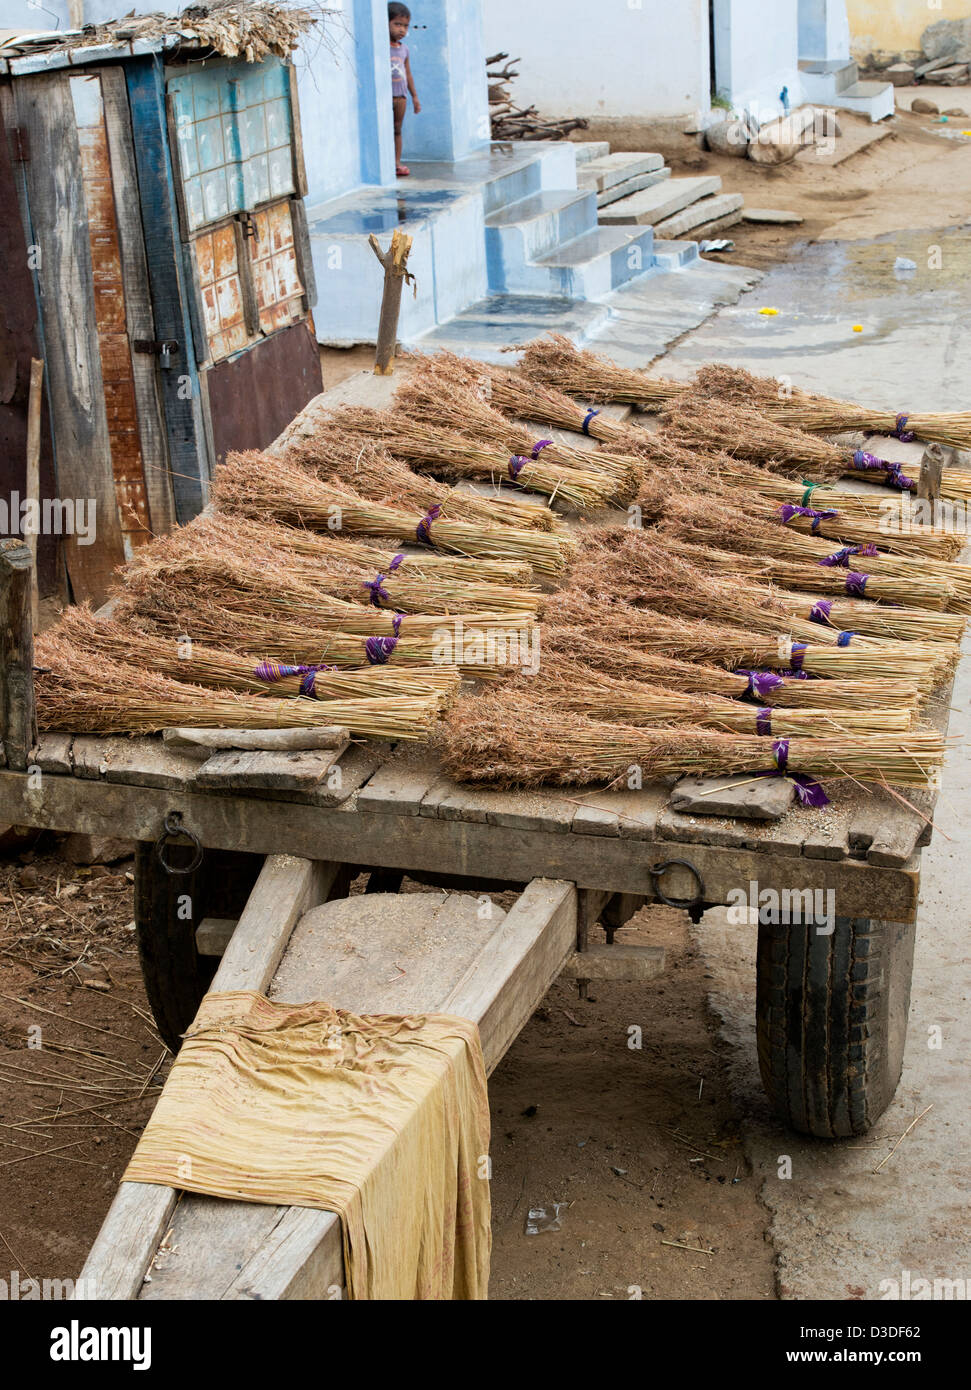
column 153, row 230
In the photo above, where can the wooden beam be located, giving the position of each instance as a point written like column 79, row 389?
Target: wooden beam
column 18, row 718
column 932, row 466
column 33, row 476
column 620, row 962
column 460, row 848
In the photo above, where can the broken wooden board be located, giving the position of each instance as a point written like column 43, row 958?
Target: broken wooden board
column 752, row 798
column 622, row 961
column 299, row 740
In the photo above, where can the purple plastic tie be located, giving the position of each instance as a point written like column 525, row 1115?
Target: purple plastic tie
column 271, row 672
column 869, row 463
column 841, row 559
column 376, row 589
column 901, row 431
column 898, row 479
column 856, row 584
column 763, row 723
column 845, row 638
column 799, row 650
column 516, row 465
column 760, row 683
column 398, row 560
column 539, row 446
column 809, row 792
column 789, row 512
column 820, row 611
column 424, row 531
column 591, row 415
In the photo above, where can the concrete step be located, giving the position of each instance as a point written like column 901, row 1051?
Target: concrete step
column 827, row 77
column 874, row 99
column 595, row 264
column 600, row 174
column 624, row 190
column 591, row 149
column 484, row 329
column 653, row 205
column 674, row 255
column 522, row 232
column 711, row 209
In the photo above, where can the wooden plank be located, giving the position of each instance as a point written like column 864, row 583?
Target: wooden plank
column 52, row 753
column 147, row 762
column 236, row 771
column 285, row 890
column 332, row 736
column 619, row 962
column 179, row 387
column 296, row 140
column 504, row 986
column 303, row 252
column 18, row 715
column 438, row 846
column 65, row 280
column 125, row 1246
column 540, row 810
column 400, row 786
column 302, row 1258
column 630, row 815
column 140, row 320
column 91, row 754
column 33, row 477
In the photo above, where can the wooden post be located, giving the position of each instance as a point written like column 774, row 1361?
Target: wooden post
column 18, row 718
column 33, row 474
column 395, row 263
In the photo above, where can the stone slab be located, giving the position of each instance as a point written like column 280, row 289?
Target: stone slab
column 653, row 205
column 603, row 173
column 775, row 217
column 704, row 213
column 762, row 798
column 624, row 190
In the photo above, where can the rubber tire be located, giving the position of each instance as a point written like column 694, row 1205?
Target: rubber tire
column 831, row 1015
column 168, row 909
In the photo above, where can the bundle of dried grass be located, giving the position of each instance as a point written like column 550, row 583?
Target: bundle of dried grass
column 448, row 387
column 573, row 634
column 349, row 460
column 876, row 619
column 696, row 640
column 165, row 654
column 822, row 566
column 641, row 570
column 711, row 425
column 453, row 455
column 265, row 489
column 555, row 361
column 545, row 744
column 583, row 690
column 819, row 414
column 78, row 693
column 264, row 563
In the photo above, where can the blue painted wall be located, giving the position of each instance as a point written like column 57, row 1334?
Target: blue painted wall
column 448, row 65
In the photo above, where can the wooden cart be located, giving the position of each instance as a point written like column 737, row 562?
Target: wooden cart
column 239, row 854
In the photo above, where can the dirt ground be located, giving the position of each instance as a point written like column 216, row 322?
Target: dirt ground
column 638, row 1143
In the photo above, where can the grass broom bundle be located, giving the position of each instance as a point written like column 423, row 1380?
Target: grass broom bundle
column 638, row 568
column 583, row 690
column 334, row 455
column 555, row 361
column 194, row 664
column 453, row 455
column 877, row 619
column 694, row 639
column 572, row 635
column 265, row 489
column 477, row 652
column 261, row 554
column 449, row 387
column 546, row 745
column 917, row 584
column 78, row 693
column 823, row 415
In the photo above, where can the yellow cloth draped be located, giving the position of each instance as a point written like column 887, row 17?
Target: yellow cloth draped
column 384, row 1120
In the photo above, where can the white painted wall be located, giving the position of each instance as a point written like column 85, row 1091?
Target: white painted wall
column 636, row 58
column 757, row 54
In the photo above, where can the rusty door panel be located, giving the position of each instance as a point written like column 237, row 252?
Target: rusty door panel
column 254, row 397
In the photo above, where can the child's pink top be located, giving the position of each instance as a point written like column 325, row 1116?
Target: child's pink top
column 399, row 77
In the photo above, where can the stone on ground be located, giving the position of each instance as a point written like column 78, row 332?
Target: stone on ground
column 728, row 137
column 900, row 74
column 948, row 38
column 952, row 77
column 706, row 212
column 653, row 205
column 774, row 216
column 922, row 107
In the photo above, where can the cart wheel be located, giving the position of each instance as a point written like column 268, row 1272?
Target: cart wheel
column 168, row 909
column 832, row 1021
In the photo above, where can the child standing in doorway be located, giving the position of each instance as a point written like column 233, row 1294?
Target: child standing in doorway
column 402, row 82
